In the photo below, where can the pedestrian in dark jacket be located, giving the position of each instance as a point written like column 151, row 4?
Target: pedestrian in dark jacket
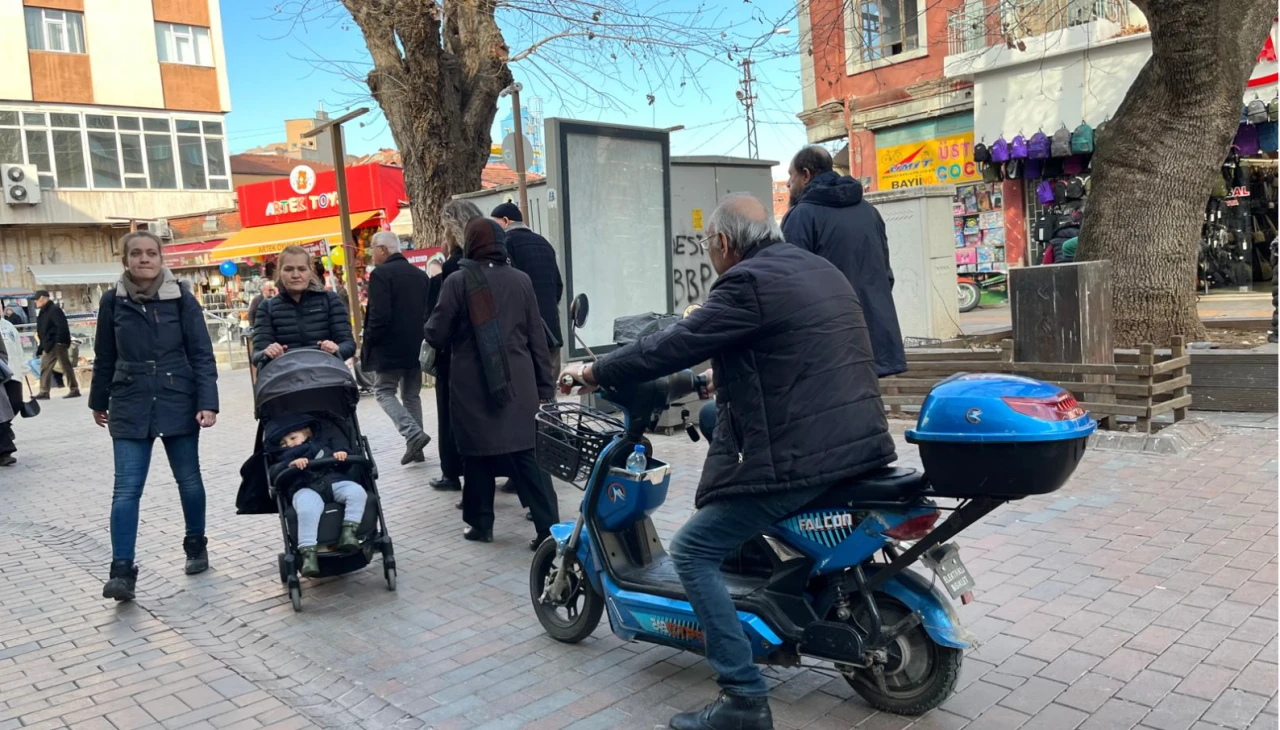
column 10, row 404
column 268, row 291
column 454, row 219
column 303, row 314
column 393, row 339
column 799, row 410
column 54, row 347
column 829, row 217
column 154, row 376
column 488, row 319
column 534, row 255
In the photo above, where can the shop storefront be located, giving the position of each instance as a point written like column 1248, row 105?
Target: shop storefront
column 303, row 211
column 941, row 151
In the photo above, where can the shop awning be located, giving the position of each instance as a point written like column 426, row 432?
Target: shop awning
column 188, row 255
column 264, row 240
column 68, row 274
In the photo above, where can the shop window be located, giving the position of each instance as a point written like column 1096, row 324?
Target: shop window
column 883, row 31
column 186, row 44
column 60, row 31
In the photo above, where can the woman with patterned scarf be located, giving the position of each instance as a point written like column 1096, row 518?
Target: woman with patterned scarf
column 487, row 319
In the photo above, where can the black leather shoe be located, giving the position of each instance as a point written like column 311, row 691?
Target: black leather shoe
column 535, row 542
column 445, row 484
column 123, row 579
column 72, row 394
column 507, row 487
column 8, row 460
column 458, row 505
column 728, row 712
column 477, row 535
column 413, row 449
column 40, row 396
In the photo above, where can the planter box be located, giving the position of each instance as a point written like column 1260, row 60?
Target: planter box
column 1234, row 380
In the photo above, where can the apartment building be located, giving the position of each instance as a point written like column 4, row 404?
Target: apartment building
column 116, row 109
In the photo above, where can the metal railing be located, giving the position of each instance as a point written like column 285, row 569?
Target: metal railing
column 990, row 23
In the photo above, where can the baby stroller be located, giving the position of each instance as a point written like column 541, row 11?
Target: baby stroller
column 307, row 380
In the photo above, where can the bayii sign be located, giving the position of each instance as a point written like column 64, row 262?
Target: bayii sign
column 307, row 194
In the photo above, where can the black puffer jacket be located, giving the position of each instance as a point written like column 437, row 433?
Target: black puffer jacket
column 52, row 327
column 796, row 390
column 319, row 315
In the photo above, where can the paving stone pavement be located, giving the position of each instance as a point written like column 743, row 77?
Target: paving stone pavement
column 1142, row 594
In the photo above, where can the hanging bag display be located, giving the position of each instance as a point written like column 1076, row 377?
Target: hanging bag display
column 981, row 153
column 1061, row 145
column 1039, row 147
column 999, row 151
column 1018, row 148
column 1044, row 192
column 1082, row 140
column 1256, row 111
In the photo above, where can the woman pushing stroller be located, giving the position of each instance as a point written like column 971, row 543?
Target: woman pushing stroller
column 308, row 486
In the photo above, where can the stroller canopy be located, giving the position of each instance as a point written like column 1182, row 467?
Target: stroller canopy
column 305, row 380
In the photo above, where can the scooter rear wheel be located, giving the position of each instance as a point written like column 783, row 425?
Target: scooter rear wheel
column 969, row 296
column 919, row 674
column 577, row 614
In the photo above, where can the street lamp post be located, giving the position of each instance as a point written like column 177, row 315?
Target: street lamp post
column 514, row 91
column 344, row 212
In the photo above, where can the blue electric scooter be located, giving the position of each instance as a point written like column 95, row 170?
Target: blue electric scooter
column 829, row 582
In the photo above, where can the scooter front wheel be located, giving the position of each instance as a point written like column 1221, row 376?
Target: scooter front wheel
column 918, row 674
column 569, row 618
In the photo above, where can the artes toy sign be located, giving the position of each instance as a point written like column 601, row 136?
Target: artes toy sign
column 307, row 194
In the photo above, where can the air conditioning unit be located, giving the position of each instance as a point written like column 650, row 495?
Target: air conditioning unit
column 161, row 228
column 21, row 184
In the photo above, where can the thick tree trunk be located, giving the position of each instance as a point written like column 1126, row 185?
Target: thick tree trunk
column 1154, row 165
column 436, row 76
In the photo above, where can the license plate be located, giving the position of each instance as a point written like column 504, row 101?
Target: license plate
column 944, row 560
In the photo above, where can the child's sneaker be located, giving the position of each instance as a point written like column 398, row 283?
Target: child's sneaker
column 310, row 563
column 349, row 543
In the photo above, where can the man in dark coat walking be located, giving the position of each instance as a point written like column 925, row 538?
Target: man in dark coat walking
column 55, row 345
column 829, row 217
column 393, row 339
column 790, row 426
column 534, row 255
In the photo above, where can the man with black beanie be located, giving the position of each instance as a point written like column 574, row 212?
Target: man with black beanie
column 534, row 255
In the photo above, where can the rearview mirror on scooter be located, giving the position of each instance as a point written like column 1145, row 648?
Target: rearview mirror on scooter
column 578, row 310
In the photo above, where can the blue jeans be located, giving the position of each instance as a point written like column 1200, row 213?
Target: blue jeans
column 699, row 549
column 133, row 461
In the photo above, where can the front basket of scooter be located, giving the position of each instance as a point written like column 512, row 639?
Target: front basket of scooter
column 570, row 438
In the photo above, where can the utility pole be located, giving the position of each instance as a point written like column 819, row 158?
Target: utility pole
column 344, row 213
column 521, row 177
column 748, row 98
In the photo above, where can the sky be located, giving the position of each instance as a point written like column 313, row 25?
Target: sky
column 275, row 74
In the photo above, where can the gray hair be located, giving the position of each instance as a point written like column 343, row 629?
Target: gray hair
column 387, row 240
column 455, row 216
column 745, row 222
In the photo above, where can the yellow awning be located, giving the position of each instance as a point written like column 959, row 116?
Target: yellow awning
column 265, row 240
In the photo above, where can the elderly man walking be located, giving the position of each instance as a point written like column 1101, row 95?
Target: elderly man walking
column 54, row 347
column 397, row 312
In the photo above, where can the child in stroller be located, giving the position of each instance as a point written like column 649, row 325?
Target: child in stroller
column 295, row 446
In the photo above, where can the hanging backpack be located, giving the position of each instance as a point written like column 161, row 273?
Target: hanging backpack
column 1246, row 142
column 1073, row 165
column 1061, row 146
column 1038, row 148
column 1018, row 148
column 1034, row 170
column 1015, row 169
column 981, row 153
column 1256, row 111
column 1044, row 192
column 1059, row 192
column 1082, row 140
column 999, row 150
column 1273, row 109
column 1267, row 138
column 991, row 173
column 1075, row 188
column 1052, row 168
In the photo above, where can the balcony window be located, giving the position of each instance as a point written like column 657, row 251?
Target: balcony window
column 883, row 31
column 101, row 151
column 60, row 31
column 186, row 44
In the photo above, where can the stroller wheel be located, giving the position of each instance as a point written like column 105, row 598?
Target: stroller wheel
column 285, row 570
column 295, row 595
column 390, row 572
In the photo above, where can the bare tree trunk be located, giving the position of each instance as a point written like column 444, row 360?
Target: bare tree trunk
column 438, row 89
column 1154, row 165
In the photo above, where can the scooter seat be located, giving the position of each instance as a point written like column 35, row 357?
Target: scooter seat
column 882, row 486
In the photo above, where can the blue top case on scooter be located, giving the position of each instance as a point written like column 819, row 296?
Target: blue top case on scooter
column 627, row 497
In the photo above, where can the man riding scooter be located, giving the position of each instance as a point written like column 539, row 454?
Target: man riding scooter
column 799, row 410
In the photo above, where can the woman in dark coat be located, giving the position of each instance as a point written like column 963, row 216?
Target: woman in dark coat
column 456, row 215
column 303, row 314
column 154, row 376
column 499, row 370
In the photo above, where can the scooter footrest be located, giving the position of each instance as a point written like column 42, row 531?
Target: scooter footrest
column 832, row 641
